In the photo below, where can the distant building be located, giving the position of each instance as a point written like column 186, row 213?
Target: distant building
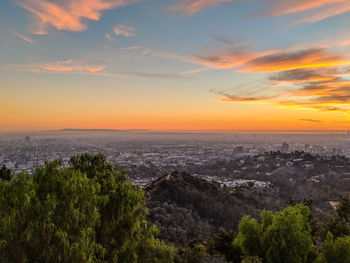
column 285, row 147
column 27, row 139
column 239, row 149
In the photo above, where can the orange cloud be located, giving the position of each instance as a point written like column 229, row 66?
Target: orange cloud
column 245, row 99
column 233, row 58
column 315, row 10
column 72, row 67
column 285, row 7
column 190, row 7
column 310, row 58
column 273, row 60
column 23, row 37
column 68, row 15
column 108, row 36
column 311, row 120
column 321, row 89
column 330, row 11
column 65, row 66
column 124, row 30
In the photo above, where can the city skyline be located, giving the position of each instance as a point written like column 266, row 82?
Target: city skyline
column 175, row 65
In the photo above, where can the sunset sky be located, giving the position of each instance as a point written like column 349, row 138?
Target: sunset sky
column 175, row 64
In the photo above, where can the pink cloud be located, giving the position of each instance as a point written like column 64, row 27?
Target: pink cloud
column 108, row 36
column 71, row 66
column 77, row 68
column 23, row 37
column 70, row 15
column 313, row 10
column 123, row 30
column 330, row 11
column 64, row 66
column 294, row 6
column 190, row 7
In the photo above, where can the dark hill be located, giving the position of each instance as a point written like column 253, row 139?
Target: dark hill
column 186, row 207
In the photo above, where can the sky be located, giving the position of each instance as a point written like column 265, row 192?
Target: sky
column 175, row 64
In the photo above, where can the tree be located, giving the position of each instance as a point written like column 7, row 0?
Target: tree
column 5, row 173
column 288, row 238
column 249, row 236
column 194, row 252
column 153, row 250
column 335, row 251
column 121, row 205
column 89, row 212
column 222, row 244
column 283, row 237
column 16, row 214
column 252, row 260
column 339, row 222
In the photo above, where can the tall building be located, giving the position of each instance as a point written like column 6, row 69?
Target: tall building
column 285, row 147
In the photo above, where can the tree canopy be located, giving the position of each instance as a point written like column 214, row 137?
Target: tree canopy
column 88, row 212
column 91, row 212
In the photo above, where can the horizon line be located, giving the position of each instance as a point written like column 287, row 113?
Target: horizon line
column 176, row 130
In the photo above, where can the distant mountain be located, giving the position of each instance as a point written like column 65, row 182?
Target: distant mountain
column 186, row 207
column 102, row 130
column 87, row 130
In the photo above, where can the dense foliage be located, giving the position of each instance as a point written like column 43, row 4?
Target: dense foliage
column 281, row 237
column 185, row 207
column 88, row 212
column 91, row 212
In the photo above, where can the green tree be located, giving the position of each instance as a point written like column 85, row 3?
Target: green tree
column 121, row 206
column 335, row 251
column 48, row 218
column 249, row 236
column 153, row 250
column 89, row 212
column 339, row 222
column 288, row 238
column 283, row 237
column 252, row 260
column 16, row 215
column 194, row 252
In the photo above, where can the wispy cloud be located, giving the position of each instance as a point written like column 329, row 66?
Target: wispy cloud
column 271, row 60
column 248, row 97
column 242, row 98
column 302, row 78
column 190, row 7
column 108, row 36
column 123, row 30
column 330, row 11
column 78, row 68
column 320, row 89
column 279, row 8
column 308, row 58
column 311, row 120
column 23, row 37
column 63, row 66
column 310, row 11
column 70, row 15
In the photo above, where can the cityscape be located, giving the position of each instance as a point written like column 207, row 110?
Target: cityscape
column 149, row 155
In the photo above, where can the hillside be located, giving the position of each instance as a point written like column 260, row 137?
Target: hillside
column 185, row 207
